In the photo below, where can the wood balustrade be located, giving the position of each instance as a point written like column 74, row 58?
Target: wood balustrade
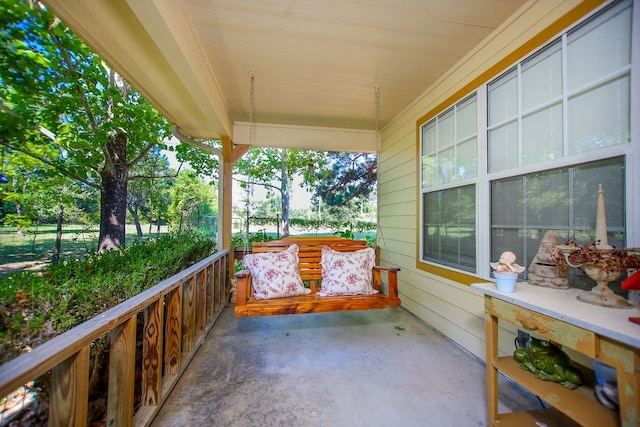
column 177, row 314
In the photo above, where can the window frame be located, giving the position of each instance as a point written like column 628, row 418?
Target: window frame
column 630, row 151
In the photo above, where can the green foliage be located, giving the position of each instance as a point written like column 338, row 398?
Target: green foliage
column 356, row 226
column 19, row 221
column 274, row 169
column 35, row 307
column 346, row 177
column 238, row 240
column 349, row 231
column 192, row 199
column 68, row 112
column 148, row 195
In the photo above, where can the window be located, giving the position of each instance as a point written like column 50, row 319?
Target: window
column 449, row 149
column 525, row 152
column 525, row 207
column 450, row 227
column 449, row 157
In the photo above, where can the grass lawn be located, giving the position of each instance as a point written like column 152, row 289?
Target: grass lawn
column 33, row 249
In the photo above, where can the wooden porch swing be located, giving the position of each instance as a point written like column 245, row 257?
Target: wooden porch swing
column 310, row 264
column 310, row 269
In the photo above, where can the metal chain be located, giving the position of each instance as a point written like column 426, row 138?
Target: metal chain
column 376, row 88
column 253, row 77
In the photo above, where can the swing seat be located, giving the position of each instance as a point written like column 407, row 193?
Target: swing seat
column 310, row 269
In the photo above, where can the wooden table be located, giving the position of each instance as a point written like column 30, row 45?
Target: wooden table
column 604, row 334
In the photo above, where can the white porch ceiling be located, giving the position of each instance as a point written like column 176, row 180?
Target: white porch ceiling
column 315, row 62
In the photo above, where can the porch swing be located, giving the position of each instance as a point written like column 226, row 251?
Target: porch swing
column 297, row 275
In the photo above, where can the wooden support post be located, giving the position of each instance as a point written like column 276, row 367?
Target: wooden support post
column 230, row 154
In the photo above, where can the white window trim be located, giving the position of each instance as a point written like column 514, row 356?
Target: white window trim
column 633, row 160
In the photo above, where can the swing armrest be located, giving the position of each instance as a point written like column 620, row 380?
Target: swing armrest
column 243, row 287
column 392, row 277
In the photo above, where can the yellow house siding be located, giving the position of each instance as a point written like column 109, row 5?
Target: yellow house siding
column 451, row 306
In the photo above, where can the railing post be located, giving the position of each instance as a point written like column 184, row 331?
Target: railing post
column 189, row 315
column 201, row 302
column 210, row 293
column 122, row 358
column 173, row 333
column 152, row 354
column 70, row 387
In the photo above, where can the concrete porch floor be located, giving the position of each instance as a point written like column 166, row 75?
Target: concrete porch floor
column 361, row 368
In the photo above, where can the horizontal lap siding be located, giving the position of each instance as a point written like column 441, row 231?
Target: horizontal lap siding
column 452, row 308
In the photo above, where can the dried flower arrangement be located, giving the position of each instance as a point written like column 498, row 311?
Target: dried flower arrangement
column 609, row 260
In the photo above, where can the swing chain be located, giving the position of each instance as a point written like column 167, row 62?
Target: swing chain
column 376, row 89
column 251, row 92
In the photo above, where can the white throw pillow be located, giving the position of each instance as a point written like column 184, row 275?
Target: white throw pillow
column 275, row 274
column 347, row 273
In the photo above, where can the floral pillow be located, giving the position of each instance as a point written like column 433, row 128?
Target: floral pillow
column 275, row 274
column 347, row 273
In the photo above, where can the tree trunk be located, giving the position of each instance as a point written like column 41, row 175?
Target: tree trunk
column 113, row 195
column 136, row 221
column 56, row 249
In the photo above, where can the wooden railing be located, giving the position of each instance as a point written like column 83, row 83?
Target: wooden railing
column 177, row 313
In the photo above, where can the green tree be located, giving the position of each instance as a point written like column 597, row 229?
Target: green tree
column 33, row 194
column 146, row 184
column 346, row 177
column 274, row 168
column 192, row 199
column 61, row 104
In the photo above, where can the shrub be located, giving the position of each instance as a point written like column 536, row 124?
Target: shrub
column 34, row 307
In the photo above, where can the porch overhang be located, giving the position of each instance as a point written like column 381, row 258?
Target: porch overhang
column 316, row 64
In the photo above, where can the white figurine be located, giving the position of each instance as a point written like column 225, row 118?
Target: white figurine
column 507, row 264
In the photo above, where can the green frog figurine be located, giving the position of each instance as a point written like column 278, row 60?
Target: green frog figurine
column 548, row 363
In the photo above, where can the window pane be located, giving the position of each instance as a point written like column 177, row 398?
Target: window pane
column 450, row 231
column 446, row 130
column 542, row 77
column 600, row 117
column 429, row 170
column 429, row 138
column 562, row 200
column 503, row 98
column 507, row 204
column 447, row 166
column 468, row 159
column 599, row 47
column 503, row 147
column 547, row 199
column 542, row 135
column 466, row 119
column 609, row 173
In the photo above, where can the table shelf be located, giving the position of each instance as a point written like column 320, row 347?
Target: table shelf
column 579, row 405
column 600, row 333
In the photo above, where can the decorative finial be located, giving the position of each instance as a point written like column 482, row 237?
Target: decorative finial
column 602, row 243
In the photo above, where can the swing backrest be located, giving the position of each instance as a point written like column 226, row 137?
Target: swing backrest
column 310, row 252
